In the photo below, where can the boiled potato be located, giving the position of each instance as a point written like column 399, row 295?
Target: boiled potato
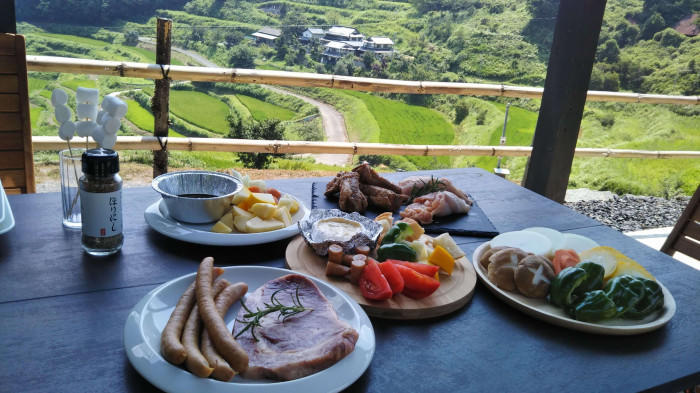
column 292, row 203
column 283, row 215
column 263, row 210
column 261, row 197
column 241, row 196
column 220, row 227
column 227, row 219
column 241, row 223
column 257, row 224
column 237, row 211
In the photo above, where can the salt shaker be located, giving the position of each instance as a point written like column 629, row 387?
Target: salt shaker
column 101, row 202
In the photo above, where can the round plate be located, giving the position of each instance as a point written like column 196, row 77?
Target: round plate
column 455, row 291
column 158, row 218
column 541, row 309
column 148, row 318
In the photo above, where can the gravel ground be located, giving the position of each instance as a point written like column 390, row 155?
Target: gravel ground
column 632, row 212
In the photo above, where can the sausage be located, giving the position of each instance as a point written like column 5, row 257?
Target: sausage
column 222, row 371
column 334, row 269
column 335, row 253
column 195, row 361
column 363, row 249
column 358, row 265
column 170, row 345
column 223, row 340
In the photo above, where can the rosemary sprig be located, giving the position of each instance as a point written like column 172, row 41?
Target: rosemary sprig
column 252, row 319
column 432, row 185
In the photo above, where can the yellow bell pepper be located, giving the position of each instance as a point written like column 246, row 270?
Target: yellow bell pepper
column 442, row 258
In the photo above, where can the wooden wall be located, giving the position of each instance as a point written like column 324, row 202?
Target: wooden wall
column 16, row 165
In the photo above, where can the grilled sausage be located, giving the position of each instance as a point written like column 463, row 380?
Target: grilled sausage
column 223, row 340
column 222, row 370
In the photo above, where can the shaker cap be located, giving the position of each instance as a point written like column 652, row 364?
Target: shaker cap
column 100, row 162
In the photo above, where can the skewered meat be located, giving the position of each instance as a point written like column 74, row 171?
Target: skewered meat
column 372, row 178
column 435, row 204
column 382, row 197
column 299, row 345
column 431, row 184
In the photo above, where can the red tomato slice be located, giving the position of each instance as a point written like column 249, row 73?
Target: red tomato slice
column 417, row 285
column 254, row 189
column 422, row 268
column 373, row 284
column 392, row 275
column 564, row 259
column 274, row 193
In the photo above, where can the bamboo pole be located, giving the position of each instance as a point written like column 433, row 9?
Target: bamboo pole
column 43, row 143
column 160, row 106
column 304, row 79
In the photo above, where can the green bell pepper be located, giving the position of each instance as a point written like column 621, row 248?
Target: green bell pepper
column 595, row 306
column 594, row 278
column 625, row 291
column 400, row 251
column 397, row 233
column 653, row 300
column 561, row 291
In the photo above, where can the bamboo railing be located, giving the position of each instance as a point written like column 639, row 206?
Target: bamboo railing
column 304, row 79
column 299, row 147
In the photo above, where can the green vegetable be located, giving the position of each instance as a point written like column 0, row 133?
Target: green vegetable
column 595, row 306
column 398, row 232
column 561, row 291
column 653, row 300
column 400, row 251
column 625, row 291
column 594, row 278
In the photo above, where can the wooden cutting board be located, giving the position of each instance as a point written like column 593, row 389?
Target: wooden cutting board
column 455, row 291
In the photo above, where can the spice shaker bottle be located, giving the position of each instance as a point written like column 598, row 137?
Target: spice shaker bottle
column 101, row 202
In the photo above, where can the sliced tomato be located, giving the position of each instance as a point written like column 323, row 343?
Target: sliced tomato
column 254, row 189
column 392, row 275
column 274, row 193
column 563, row 259
column 422, row 268
column 417, row 285
column 373, row 284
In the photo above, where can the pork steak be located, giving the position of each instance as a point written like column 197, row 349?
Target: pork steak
column 299, row 345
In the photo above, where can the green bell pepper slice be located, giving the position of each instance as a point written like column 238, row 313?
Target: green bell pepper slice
column 625, row 291
column 595, row 306
column 653, row 300
column 397, row 233
column 561, row 291
column 594, row 278
column 400, row 251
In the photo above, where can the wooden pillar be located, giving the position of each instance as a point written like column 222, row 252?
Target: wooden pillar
column 8, row 23
column 568, row 75
column 160, row 106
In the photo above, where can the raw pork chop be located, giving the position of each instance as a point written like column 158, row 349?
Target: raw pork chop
column 300, row 345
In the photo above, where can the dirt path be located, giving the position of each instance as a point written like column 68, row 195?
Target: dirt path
column 333, row 121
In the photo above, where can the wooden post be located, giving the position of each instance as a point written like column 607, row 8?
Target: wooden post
column 568, row 75
column 160, row 105
column 8, row 23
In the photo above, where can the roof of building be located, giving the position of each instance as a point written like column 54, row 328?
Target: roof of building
column 315, row 30
column 381, row 40
column 342, row 31
column 264, row 36
column 270, row 31
column 338, row 45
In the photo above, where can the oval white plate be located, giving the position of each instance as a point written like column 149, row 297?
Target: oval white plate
column 541, row 309
column 158, row 218
column 148, row 318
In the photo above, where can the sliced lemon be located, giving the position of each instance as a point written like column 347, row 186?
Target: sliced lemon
column 607, row 257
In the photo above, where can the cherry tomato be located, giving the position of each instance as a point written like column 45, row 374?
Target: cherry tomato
column 417, row 285
column 563, row 259
column 392, row 275
column 254, row 189
column 422, row 268
column 373, row 284
column 274, row 193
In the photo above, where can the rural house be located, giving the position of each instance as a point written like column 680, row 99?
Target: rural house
column 347, row 35
column 383, row 46
column 312, row 34
column 266, row 35
column 334, row 50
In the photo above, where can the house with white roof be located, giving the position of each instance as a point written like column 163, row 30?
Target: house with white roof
column 267, row 35
column 378, row 45
column 312, row 34
column 348, row 35
column 334, row 50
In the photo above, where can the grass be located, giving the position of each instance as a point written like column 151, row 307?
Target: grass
column 73, row 84
column 143, row 118
column 261, row 110
column 34, row 84
column 200, row 109
column 239, row 108
column 35, row 115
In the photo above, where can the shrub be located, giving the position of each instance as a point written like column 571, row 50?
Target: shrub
column 265, row 130
column 461, row 111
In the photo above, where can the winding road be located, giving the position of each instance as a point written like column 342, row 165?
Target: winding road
column 333, row 121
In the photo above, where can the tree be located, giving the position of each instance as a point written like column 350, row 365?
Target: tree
column 131, row 38
column 609, row 52
column 241, row 56
column 461, row 111
column 270, row 129
column 653, row 25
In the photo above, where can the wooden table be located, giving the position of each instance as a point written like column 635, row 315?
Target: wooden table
column 62, row 312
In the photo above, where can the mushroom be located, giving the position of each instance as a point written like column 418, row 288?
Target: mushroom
column 484, row 259
column 533, row 276
column 502, row 266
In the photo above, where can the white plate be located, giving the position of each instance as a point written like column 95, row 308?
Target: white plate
column 158, row 218
column 541, row 309
column 148, row 318
column 8, row 220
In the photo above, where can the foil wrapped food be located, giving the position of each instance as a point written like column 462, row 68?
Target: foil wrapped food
column 354, row 230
